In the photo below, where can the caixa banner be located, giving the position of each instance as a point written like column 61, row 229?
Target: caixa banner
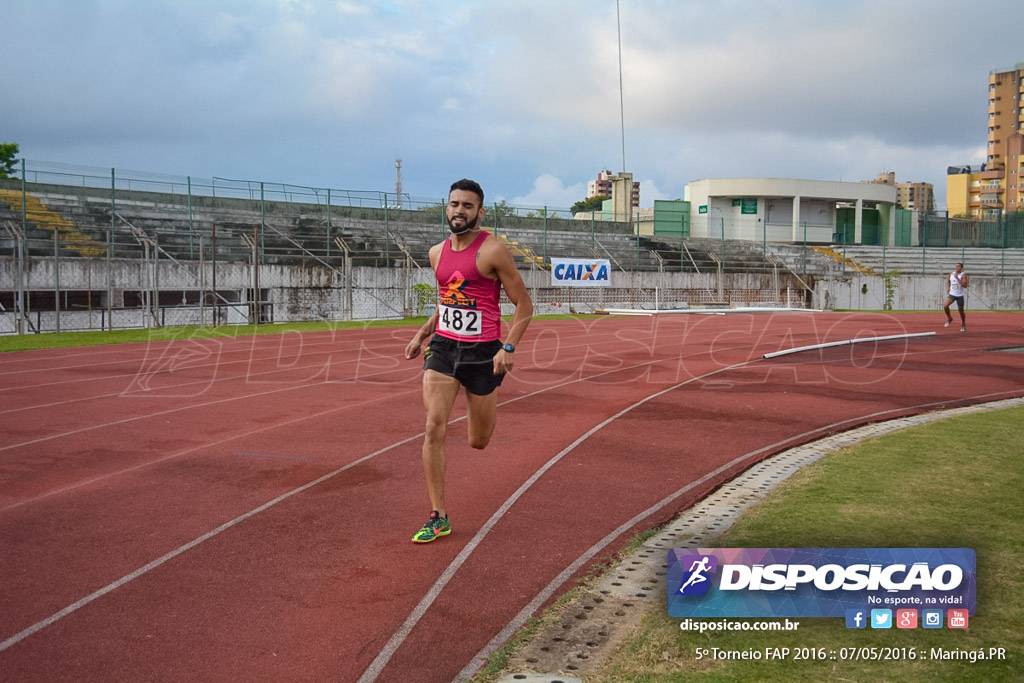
column 816, row 582
column 575, row 272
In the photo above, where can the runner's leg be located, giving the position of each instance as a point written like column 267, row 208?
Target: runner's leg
column 439, row 392
column 482, row 416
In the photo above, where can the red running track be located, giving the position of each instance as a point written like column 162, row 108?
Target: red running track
column 241, row 508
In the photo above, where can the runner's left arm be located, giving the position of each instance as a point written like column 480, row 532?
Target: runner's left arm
column 412, row 349
column 515, row 290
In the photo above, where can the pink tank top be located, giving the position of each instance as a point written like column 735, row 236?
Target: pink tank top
column 467, row 306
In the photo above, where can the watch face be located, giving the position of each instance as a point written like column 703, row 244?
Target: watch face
column 508, row 347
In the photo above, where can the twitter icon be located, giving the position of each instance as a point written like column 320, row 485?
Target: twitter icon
column 881, row 618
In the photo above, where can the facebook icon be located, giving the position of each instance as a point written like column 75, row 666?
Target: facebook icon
column 856, row 618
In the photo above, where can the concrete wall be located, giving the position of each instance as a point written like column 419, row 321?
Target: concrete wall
column 309, row 293
column 919, row 293
column 317, row 293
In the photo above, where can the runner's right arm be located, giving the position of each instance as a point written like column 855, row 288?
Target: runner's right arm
column 413, row 348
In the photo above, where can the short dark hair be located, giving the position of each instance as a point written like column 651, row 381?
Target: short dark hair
column 469, row 186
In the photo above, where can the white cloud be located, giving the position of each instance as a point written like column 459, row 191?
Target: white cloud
column 550, row 191
column 649, row 192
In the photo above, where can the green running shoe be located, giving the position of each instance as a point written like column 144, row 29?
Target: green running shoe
column 435, row 526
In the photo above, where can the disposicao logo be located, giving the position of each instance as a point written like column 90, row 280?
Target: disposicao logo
column 696, row 580
column 817, row 582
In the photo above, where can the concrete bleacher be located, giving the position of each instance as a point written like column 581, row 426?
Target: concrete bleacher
column 88, row 223
column 938, row 260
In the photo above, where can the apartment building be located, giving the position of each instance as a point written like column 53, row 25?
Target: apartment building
column 602, row 187
column 910, row 196
column 995, row 187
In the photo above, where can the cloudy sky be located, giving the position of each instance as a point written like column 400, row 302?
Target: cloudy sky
column 522, row 95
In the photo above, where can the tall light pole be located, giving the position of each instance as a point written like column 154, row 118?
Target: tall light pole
column 622, row 106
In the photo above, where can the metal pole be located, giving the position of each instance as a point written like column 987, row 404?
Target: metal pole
column 56, row 279
column 845, row 230
column 22, row 254
column 636, row 229
column 328, row 222
column 110, row 280
column 147, row 292
column 721, row 223
column 24, row 201
column 202, row 285
column 156, row 281
column 191, row 232
column 545, row 233
column 387, row 235
column 924, row 250
column 214, row 239
column 1004, row 228
column 255, row 278
column 263, row 217
column 805, row 251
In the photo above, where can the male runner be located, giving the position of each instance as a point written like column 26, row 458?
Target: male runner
column 471, row 268
column 957, row 291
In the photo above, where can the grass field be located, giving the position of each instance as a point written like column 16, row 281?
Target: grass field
column 954, row 483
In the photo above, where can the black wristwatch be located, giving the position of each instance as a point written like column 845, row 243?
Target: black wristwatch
column 508, row 347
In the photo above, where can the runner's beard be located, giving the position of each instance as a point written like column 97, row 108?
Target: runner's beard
column 470, row 224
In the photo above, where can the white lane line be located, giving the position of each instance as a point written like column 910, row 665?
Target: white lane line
column 193, row 449
column 399, row 637
column 846, row 342
column 74, row 607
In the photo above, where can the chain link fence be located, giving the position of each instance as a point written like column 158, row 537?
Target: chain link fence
column 88, row 248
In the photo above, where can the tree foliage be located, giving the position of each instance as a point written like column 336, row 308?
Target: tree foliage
column 503, row 208
column 8, row 158
column 587, row 205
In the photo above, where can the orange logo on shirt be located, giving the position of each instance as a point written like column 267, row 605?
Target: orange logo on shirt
column 454, row 296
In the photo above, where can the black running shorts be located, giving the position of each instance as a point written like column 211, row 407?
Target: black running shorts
column 469, row 362
column 958, row 299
